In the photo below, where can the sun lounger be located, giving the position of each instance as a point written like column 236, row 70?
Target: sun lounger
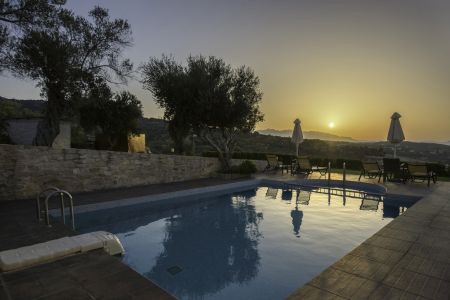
column 304, row 166
column 370, row 170
column 272, row 162
column 422, row 172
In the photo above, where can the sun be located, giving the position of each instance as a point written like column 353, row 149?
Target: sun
column 331, row 124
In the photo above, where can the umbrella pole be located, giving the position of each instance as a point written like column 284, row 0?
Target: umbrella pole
column 395, row 151
column 296, row 149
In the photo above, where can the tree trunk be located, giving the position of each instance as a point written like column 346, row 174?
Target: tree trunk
column 220, row 145
column 47, row 131
column 178, row 132
column 48, row 127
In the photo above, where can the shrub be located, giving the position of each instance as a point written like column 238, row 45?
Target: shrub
column 246, row 168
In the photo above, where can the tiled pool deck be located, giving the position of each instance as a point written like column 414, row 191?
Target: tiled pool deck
column 407, row 259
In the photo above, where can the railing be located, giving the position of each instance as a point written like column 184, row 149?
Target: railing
column 344, row 173
column 49, row 193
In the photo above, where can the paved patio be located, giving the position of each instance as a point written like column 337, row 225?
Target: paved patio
column 409, row 258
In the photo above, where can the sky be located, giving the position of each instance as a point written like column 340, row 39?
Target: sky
column 348, row 62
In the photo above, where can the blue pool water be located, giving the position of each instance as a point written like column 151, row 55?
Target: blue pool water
column 262, row 243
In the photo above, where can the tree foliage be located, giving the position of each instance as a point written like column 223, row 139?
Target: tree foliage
column 67, row 55
column 166, row 79
column 114, row 115
column 18, row 15
column 208, row 97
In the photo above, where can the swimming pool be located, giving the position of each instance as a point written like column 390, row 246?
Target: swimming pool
column 264, row 242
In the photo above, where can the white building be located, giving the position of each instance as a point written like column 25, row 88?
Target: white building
column 23, row 131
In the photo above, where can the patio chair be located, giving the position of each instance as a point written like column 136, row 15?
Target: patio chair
column 421, row 171
column 272, row 162
column 370, row 170
column 393, row 170
column 304, row 166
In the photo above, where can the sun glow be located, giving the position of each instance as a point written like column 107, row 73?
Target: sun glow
column 331, row 125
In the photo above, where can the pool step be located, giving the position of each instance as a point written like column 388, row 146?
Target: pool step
column 36, row 254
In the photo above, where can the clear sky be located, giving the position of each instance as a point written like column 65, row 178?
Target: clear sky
column 351, row 62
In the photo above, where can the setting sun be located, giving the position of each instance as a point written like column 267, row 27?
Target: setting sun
column 331, row 125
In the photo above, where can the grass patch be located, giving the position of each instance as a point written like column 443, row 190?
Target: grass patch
column 355, row 172
column 350, row 172
column 446, row 179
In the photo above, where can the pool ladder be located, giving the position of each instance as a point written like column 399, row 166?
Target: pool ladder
column 52, row 192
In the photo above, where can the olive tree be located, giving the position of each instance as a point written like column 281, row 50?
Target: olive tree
column 165, row 79
column 116, row 115
column 208, row 97
column 66, row 54
column 17, row 15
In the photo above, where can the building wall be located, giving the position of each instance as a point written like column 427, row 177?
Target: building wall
column 26, row 170
column 63, row 139
column 23, row 131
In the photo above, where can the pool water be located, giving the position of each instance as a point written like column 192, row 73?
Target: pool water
column 262, row 243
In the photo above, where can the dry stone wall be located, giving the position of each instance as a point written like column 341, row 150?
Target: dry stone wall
column 26, row 170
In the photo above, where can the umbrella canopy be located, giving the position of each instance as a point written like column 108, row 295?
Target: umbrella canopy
column 297, row 135
column 395, row 135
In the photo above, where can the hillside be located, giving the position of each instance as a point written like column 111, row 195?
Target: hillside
column 312, row 135
column 159, row 141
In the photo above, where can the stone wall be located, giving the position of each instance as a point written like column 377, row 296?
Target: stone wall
column 26, row 170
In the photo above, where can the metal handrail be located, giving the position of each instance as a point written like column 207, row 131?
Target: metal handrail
column 38, row 200
column 54, row 191
column 61, row 193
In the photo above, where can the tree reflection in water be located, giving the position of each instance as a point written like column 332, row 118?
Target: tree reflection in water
column 213, row 247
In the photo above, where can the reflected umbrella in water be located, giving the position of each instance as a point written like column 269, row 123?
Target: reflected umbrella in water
column 303, row 198
column 232, row 236
column 297, row 216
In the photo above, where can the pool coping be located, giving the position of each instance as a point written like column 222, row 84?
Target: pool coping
column 222, row 188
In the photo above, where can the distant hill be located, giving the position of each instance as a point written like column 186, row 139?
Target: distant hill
column 316, row 144
column 33, row 105
column 312, row 135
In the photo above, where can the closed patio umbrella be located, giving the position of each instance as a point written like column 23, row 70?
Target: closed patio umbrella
column 395, row 135
column 297, row 135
